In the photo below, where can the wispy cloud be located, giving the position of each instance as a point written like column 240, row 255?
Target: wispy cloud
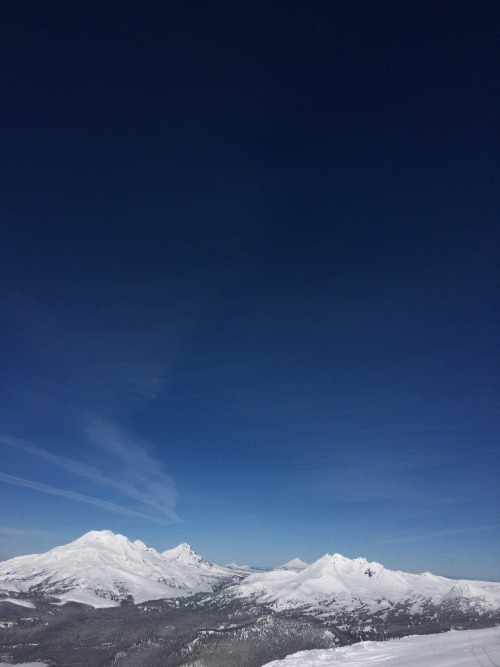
column 416, row 537
column 117, row 357
column 142, row 475
column 73, row 495
column 64, row 462
column 132, row 471
column 20, row 532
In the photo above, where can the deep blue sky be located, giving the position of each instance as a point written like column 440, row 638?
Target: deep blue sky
column 249, row 280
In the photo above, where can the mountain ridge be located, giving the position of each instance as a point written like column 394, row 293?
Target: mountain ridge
column 335, row 585
column 102, row 569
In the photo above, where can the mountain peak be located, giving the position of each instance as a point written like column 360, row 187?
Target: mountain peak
column 106, row 537
column 102, row 568
column 185, row 554
column 294, row 564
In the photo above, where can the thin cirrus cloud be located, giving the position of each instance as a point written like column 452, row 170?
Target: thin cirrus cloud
column 132, row 472
column 73, row 495
column 113, row 357
column 142, row 476
column 430, row 536
column 21, row 532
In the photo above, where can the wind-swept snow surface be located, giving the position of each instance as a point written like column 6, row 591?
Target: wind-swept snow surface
column 467, row 648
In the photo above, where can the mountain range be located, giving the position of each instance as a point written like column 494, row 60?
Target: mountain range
column 335, row 584
column 103, row 569
column 105, row 600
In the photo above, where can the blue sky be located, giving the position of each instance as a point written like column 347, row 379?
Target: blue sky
column 249, row 280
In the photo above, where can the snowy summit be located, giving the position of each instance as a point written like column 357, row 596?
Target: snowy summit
column 104, row 569
column 336, row 583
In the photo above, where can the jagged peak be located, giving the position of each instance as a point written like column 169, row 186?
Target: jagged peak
column 184, row 553
column 339, row 559
column 331, row 558
column 182, row 548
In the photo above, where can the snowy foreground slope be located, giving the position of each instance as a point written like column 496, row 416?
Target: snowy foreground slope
column 467, row 648
column 103, row 569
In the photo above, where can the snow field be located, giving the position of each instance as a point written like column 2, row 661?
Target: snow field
column 464, row 648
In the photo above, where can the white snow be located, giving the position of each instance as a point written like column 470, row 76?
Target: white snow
column 101, row 568
column 244, row 570
column 295, row 564
column 21, row 603
column 185, row 555
column 235, row 566
column 338, row 583
column 466, row 648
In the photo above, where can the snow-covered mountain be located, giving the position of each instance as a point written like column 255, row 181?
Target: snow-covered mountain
column 103, row 569
column 295, row 564
column 244, row 570
column 185, row 555
column 335, row 584
column 238, row 614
